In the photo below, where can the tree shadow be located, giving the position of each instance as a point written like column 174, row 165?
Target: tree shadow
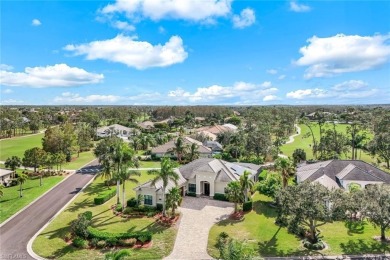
column 360, row 246
column 58, row 233
column 355, row 227
column 85, row 204
column 264, row 208
column 155, row 228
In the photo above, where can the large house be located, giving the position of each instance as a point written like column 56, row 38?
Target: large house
column 202, row 177
column 166, row 149
column 341, row 173
column 117, row 130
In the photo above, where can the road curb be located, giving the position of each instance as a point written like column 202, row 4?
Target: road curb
column 30, row 242
column 25, row 207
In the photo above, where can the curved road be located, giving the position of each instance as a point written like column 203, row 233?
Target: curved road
column 16, row 233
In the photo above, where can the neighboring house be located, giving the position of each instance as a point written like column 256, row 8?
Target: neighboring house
column 216, row 129
column 209, row 135
column 231, row 127
column 166, row 149
column 202, row 177
column 341, row 173
column 6, row 176
column 147, row 125
column 117, row 130
column 214, row 146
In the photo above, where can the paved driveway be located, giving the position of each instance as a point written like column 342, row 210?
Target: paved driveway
column 16, row 233
column 198, row 216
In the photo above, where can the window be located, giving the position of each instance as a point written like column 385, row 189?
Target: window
column 191, row 187
column 148, row 199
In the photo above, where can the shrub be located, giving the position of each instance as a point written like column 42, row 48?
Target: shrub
column 94, row 242
column 220, row 196
column 132, row 202
column 314, row 246
column 112, row 241
column 79, row 226
column 127, row 242
column 104, row 196
column 191, row 194
column 80, row 243
column 128, row 210
column 101, row 244
column 67, row 236
column 102, row 235
column 247, row 206
column 143, row 238
column 118, row 207
column 88, row 215
column 159, row 207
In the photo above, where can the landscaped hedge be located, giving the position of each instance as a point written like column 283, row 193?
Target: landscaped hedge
column 104, row 196
column 220, row 196
column 132, row 202
column 106, row 236
column 247, row 206
column 191, row 194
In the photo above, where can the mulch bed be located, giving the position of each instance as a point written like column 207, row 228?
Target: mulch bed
column 237, row 216
column 166, row 221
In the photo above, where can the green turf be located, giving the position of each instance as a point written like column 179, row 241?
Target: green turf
column 49, row 243
column 17, row 146
column 150, row 164
column 78, row 162
column 261, row 233
column 306, row 143
column 11, row 203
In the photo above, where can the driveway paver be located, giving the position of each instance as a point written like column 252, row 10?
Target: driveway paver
column 198, row 216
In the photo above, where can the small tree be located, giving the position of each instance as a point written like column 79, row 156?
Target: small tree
column 299, row 155
column 173, row 199
column 22, row 178
column 34, row 157
column 377, row 199
column 270, row 185
column 13, row 163
column 306, row 205
column 286, row 169
column 231, row 249
column 246, row 184
column 234, row 194
column 127, row 175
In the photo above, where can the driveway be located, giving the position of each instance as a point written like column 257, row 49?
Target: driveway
column 198, row 216
column 16, row 233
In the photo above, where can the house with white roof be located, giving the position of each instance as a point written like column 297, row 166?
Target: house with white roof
column 341, row 173
column 116, row 130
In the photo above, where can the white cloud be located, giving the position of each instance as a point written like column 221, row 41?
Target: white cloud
column 11, row 102
column 125, row 26
column 272, row 71
column 299, row 8
column 244, row 19
column 266, row 84
column 350, row 85
column 343, row 53
column 36, row 22
column 192, row 10
column 7, row 91
column 71, row 98
column 270, row 98
column 137, row 54
column 308, row 93
column 58, row 75
column 6, row 67
column 281, row 77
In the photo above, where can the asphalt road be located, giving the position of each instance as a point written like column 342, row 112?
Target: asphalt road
column 15, row 234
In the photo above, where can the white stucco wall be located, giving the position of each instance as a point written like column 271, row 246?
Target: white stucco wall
column 148, row 191
column 201, row 177
column 220, row 187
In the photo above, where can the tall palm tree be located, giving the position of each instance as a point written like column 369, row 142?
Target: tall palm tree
column 22, row 178
column 286, row 168
column 106, row 170
column 1, row 190
column 127, row 175
column 180, row 148
column 193, row 152
column 246, row 184
column 173, row 199
column 166, row 174
column 234, row 194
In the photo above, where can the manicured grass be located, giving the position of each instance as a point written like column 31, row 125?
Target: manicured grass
column 11, row 203
column 17, row 146
column 150, row 164
column 306, row 143
column 78, row 162
column 261, row 233
column 49, row 243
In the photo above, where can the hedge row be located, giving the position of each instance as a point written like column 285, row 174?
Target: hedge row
column 191, row 194
column 247, row 206
column 220, row 196
column 104, row 196
column 103, row 235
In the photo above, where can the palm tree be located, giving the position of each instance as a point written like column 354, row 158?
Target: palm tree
column 180, row 148
column 127, row 175
column 146, row 140
column 22, row 178
column 173, row 199
column 286, row 168
column 118, row 255
column 106, row 172
column 193, row 152
column 166, row 174
column 234, row 194
column 246, row 183
column 1, row 190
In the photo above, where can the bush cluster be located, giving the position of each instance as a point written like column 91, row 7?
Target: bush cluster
column 104, row 196
column 314, row 246
column 132, row 202
column 79, row 226
column 137, row 210
column 80, row 242
column 247, row 206
column 191, row 194
column 111, row 237
column 220, row 196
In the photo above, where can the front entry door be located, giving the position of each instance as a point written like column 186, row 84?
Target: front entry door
column 207, row 189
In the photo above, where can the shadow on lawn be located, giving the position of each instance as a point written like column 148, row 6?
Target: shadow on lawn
column 264, row 208
column 85, row 204
column 360, row 246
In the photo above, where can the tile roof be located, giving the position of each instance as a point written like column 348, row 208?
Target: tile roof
column 187, row 140
column 159, row 184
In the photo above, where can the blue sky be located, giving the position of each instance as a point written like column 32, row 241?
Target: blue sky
column 191, row 52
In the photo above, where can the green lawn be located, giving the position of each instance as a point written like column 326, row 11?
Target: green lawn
column 150, row 164
column 260, row 232
column 305, row 143
column 49, row 243
column 11, row 203
column 78, row 162
column 17, row 146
